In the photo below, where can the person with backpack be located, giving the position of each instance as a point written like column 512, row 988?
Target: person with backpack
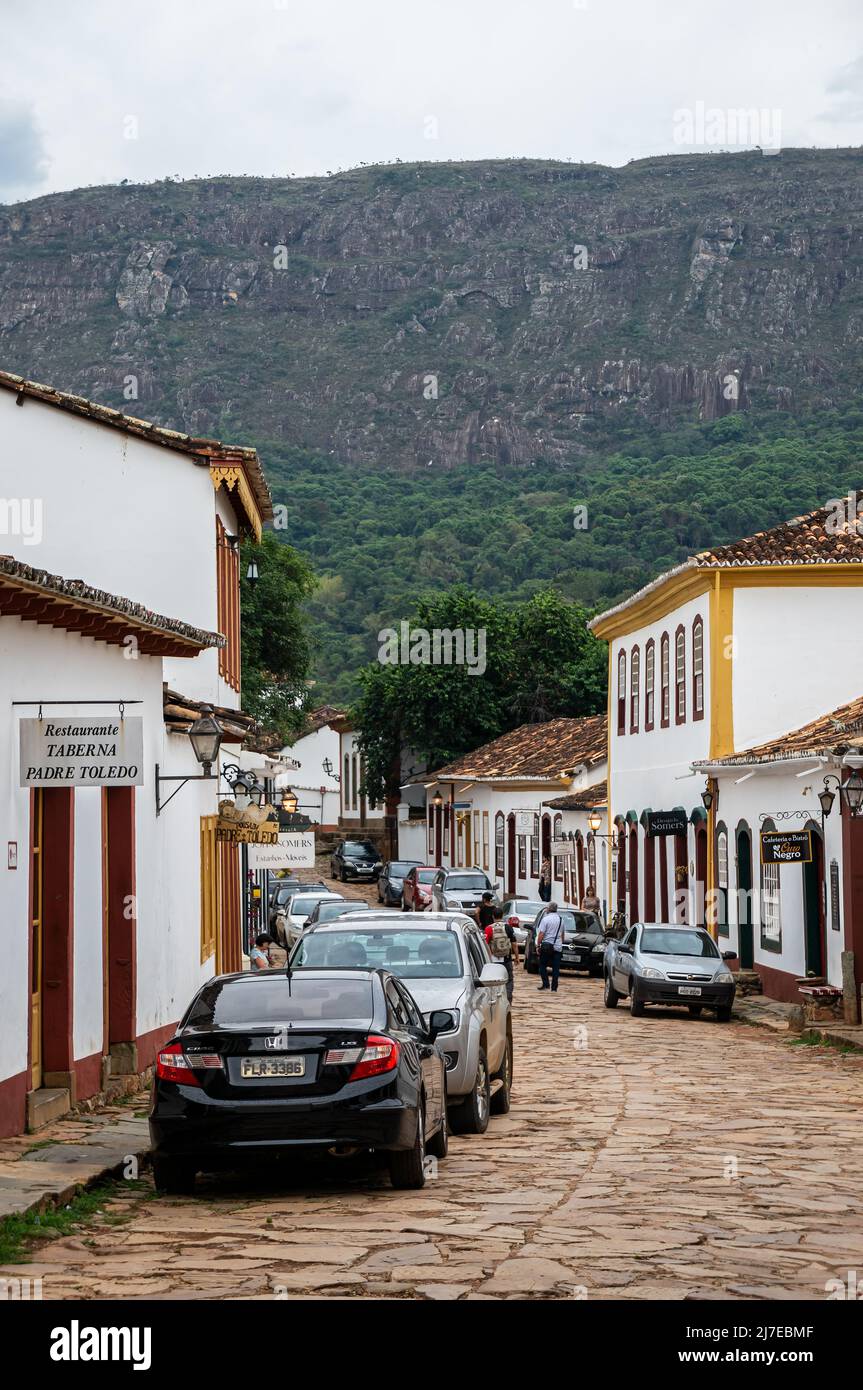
column 549, row 942
column 503, row 945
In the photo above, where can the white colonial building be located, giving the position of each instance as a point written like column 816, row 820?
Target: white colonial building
column 119, row 625
column 497, row 809
column 730, row 651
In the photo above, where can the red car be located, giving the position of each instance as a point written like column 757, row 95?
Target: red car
column 416, row 895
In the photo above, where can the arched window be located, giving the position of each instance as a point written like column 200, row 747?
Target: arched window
column 558, row 860
column 534, row 849
column 498, row 843
column 635, row 690
column 664, row 681
column 698, row 669
column 649, row 679
column 722, row 880
column 621, row 693
column 771, row 908
column 680, row 677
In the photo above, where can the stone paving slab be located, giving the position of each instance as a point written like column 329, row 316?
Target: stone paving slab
column 661, row 1157
column 55, row 1171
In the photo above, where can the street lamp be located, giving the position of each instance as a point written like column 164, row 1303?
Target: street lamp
column 850, row 794
column 252, row 575
column 289, row 801
column 205, row 736
column 437, row 799
column 594, row 821
column 707, row 798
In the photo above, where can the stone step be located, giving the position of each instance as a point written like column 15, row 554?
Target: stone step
column 44, row 1106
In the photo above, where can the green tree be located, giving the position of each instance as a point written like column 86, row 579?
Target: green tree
column 277, row 651
column 540, row 663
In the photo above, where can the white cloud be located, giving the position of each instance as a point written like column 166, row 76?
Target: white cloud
column 265, row 87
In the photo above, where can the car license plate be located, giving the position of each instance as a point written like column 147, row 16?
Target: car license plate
column 272, row 1066
column 688, row 989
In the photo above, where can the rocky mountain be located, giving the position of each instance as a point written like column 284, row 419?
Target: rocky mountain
column 497, row 313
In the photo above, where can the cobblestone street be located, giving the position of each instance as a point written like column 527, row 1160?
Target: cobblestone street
column 661, row 1157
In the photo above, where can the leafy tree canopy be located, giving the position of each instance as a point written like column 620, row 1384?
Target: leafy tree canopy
column 277, row 651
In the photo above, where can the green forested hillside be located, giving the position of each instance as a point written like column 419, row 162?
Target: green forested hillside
column 379, row 540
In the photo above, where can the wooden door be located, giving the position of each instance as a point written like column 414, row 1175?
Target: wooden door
column 36, row 936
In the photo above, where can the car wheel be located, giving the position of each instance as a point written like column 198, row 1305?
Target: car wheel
column 636, row 1005
column 407, row 1166
column 174, row 1176
column 724, row 1013
column 438, row 1145
column 531, row 964
column 471, row 1117
column 344, row 876
column 610, row 996
column 333, row 872
column 695, row 1010
column 500, row 1101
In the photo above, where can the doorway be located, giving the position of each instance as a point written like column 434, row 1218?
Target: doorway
column 510, row 855
column 700, row 906
column 36, row 942
column 52, row 895
column 813, row 881
column 744, row 897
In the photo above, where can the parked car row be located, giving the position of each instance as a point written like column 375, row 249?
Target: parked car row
column 380, row 1035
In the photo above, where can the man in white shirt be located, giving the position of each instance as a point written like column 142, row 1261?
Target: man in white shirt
column 549, row 943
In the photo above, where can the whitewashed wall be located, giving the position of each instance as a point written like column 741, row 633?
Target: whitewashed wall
column 798, row 655
column 310, row 752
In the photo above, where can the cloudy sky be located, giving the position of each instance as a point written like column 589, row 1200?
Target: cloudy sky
column 100, row 90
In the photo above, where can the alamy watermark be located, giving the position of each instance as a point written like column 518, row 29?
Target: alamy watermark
column 729, row 126
column 22, row 516
column 846, row 514
column 439, row 646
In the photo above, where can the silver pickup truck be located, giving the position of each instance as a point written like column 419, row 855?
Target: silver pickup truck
column 445, row 962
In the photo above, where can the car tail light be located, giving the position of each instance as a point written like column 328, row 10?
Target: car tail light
column 379, row 1055
column 172, row 1064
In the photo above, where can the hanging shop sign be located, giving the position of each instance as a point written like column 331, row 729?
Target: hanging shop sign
column 560, row 847
column 255, row 825
column 524, row 822
column 103, row 752
column 786, row 847
column 289, row 852
column 667, row 822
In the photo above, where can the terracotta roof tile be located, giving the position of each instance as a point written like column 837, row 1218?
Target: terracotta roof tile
column 829, row 732
column 534, row 751
column 827, row 536
column 588, row 799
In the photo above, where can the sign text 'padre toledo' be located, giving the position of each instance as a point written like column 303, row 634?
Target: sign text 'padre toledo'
column 82, row 752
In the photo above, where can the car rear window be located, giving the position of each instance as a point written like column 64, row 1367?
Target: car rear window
column 327, row 911
column 276, row 999
column 467, row 882
column 677, row 942
column 426, row 875
column 412, row 954
column 401, row 870
column 305, row 902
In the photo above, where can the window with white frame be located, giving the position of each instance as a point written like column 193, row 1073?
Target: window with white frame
column 621, row 693
column 635, row 690
column 664, row 681
column 499, row 833
column 771, row 906
column 485, row 840
column 534, row 849
column 698, row 669
column 649, row 677
column 680, row 676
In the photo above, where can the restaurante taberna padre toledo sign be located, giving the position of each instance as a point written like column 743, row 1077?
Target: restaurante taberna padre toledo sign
column 786, row 846
column 77, row 752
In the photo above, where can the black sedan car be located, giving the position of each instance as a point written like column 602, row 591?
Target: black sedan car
column 583, row 942
column 391, row 882
column 267, row 1064
column 355, row 859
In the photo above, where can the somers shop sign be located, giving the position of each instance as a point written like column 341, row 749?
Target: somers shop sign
column 82, row 752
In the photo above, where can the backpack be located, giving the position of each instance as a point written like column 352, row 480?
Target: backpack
column 500, row 944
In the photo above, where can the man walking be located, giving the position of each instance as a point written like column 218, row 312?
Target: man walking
column 550, row 945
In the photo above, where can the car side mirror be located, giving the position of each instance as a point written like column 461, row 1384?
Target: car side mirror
column 493, row 975
column 729, row 955
column 440, row 1021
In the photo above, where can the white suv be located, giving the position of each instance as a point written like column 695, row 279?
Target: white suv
column 446, row 964
column 461, row 890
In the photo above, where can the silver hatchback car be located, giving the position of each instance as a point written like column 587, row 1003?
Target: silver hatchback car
column 663, row 963
column 446, row 964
